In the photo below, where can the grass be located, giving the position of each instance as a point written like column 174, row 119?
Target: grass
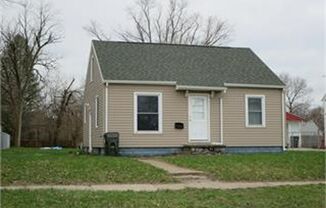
column 22, row 166
column 293, row 166
column 286, row 196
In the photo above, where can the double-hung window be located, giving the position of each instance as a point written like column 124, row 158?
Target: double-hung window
column 147, row 112
column 255, row 111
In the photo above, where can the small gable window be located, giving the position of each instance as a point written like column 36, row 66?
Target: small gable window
column 255, row 111
column 148, row 112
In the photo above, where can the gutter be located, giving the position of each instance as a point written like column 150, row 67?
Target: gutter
column 199, row 88
column 253, row 85
column 171, row 83
column 140, row 82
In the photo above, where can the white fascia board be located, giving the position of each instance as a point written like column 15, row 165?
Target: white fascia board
column 140, row 82
column 98, row 63
column 199, row 88
column 88, row 63
column 253, row 85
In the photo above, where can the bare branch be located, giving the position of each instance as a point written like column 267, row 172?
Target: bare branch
column 171, row 24
column 94, row 30
column 296, row 94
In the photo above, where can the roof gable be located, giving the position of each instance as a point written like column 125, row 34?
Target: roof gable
column 183, row 64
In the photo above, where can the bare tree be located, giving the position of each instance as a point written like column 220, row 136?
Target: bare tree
column 317, row 115
column 297, row 94
column 173, row 24
column 63, row 103
column 61, row 107
column 23, row 58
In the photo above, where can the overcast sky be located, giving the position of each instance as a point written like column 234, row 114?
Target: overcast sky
column 289, row 35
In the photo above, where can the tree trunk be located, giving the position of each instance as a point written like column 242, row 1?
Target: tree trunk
column 57, row 129
column 18, row 125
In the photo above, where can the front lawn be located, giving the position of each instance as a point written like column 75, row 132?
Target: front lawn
column 21, row 166
column 290, row 166
column 286, row 196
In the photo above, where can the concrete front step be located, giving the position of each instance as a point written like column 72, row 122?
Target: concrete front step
column 203, row 148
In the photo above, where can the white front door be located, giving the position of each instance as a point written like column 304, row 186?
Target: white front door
column 198, row 118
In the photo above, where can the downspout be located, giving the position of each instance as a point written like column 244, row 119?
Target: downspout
column 106, row 107
column 221, row 116
column 283, row 121
column 221, row 119
column 90, row 125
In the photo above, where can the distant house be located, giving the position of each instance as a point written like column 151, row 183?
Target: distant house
column 294, row 126
column 309, row 128
column 311, row 135
column 301, row 133
column 162, row 97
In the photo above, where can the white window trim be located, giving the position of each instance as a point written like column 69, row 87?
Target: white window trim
column 221, row 120
column 263, row 111
column 160, row 114
column 96, row 111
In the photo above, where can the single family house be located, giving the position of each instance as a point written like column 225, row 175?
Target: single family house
column 163, row 97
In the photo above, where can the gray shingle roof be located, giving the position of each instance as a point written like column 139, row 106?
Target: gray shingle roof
column 185, row 64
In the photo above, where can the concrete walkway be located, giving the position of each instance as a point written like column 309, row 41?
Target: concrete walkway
column 172, row 169
column 156, row 187
column 183, row 175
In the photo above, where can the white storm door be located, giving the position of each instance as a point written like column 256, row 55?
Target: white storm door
column 198, row 118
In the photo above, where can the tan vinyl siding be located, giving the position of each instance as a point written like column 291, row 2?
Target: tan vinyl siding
column 121, row 116
column 175, row 109
column 235, row 131
column 215, row 119
column 93, row 89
